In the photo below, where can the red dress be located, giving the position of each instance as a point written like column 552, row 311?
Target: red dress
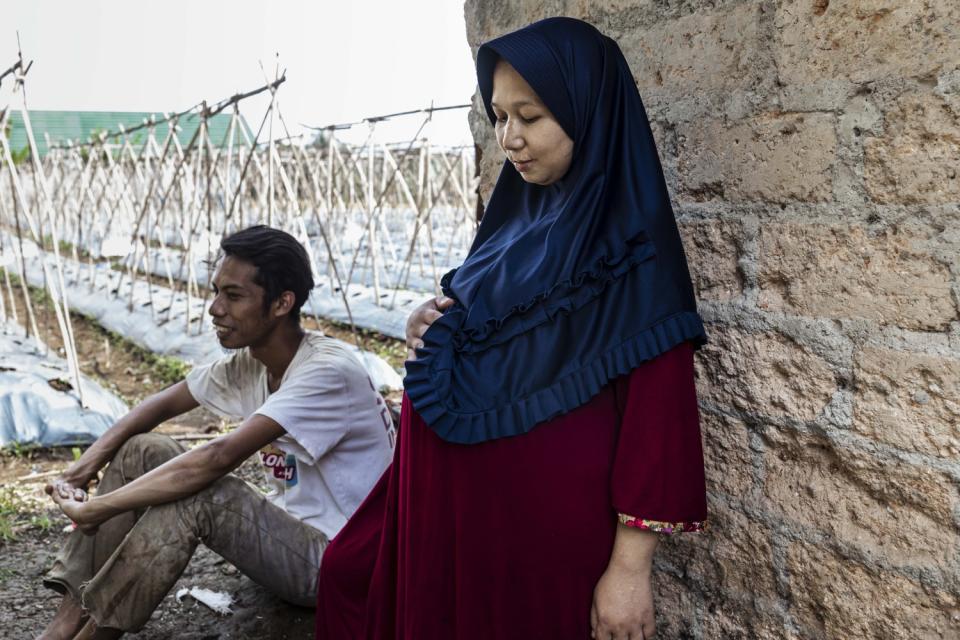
column 508, row 538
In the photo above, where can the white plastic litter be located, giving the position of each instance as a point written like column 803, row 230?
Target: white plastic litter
column 218, row 601
column 38, row 404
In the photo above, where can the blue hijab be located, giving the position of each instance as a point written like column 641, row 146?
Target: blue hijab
column 569, row 285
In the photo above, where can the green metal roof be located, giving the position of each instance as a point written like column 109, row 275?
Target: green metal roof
column 78, row 126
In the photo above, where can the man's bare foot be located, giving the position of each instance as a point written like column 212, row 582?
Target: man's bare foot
column 91, row 631
column 68, row 621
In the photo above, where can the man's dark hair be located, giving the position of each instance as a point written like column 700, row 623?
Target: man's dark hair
column 281, row 261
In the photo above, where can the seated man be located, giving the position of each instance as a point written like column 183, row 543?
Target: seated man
column 323, row 432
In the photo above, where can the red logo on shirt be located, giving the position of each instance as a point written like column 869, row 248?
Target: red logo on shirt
column 282, row 465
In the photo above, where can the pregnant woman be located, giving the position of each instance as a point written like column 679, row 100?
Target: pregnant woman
column 549, row 432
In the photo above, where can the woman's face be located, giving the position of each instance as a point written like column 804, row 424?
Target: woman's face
column 527, row 132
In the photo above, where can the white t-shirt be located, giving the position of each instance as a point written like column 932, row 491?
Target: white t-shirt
column 339, row 434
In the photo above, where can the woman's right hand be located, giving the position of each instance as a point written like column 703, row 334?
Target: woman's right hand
column 420, row 320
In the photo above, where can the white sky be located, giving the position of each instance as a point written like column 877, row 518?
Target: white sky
column 345, row 59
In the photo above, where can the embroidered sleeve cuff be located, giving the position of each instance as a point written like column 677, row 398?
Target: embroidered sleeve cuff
column 658, row 526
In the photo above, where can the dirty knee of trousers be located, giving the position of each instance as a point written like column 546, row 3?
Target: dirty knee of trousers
column 209, row 510
column 143, row 568
column 144, row 452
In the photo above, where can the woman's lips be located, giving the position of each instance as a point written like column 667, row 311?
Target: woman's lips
column 524, row 166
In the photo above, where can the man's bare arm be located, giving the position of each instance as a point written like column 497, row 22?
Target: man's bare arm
column 144, row 417
column 178, row 478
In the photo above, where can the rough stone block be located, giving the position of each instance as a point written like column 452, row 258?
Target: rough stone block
column 720, row 50
column 909, row 400
column 860, row 116
column 491, row 18
column 887, row 508
column 675, row 604
column 741, row 549
column 844, row 272
column 689, row 554
column 864, row 40
column 772, row 157
column 765, row 374
column 491, row 156
column 730, row 622
column 712, row 253
column 915, row 160
column 822, row 95
column 731, row 563
column 832, row 597
column 727, row 455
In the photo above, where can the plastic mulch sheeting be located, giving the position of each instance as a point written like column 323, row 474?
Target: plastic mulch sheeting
column 141, row 316
column 38, row 404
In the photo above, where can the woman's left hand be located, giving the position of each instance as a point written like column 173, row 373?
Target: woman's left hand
column 623, row 605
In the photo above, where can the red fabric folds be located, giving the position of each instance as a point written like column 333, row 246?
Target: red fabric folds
column 507, row 538
column 658, row 466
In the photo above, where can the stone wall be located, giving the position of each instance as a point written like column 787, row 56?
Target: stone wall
column 812, row 150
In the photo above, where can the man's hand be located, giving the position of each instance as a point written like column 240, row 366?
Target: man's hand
column 420, row 320
column 82, row 472
column 622, row 605
column 75, row 504
column 70, row 486
column 66, row 489
column 76, row 478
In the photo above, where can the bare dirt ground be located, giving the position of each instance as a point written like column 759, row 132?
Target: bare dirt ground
column 32, row 530
column 26, row 606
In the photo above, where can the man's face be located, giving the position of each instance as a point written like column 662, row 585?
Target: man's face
column 237, row 307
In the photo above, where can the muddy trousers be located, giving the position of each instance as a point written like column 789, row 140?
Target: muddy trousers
column 122, row 573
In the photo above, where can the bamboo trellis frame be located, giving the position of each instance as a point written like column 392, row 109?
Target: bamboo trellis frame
column 371, row 215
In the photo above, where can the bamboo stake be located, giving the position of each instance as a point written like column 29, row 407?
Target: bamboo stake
column 61, row 306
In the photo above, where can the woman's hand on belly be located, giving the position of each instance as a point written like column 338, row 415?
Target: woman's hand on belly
column 420, row 320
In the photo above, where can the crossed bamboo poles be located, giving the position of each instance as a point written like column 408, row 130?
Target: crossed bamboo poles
column 368, row 214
